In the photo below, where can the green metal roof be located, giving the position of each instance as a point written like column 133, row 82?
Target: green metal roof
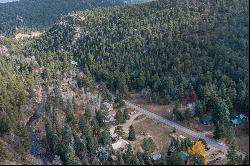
column 184, row 155
column 238, row 119
column 207, row 118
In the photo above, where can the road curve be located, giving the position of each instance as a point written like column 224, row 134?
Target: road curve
column 195, row 134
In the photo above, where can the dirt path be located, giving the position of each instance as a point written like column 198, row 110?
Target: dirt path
column 130, row 122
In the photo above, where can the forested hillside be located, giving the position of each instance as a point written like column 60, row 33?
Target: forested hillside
column 172, row 51
column 177, row 49
column 13, row 95
column 26, row 15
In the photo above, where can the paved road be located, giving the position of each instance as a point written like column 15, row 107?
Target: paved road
column 195, row 134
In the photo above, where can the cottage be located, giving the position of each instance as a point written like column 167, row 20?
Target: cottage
column 239, row 119
column 120, row 145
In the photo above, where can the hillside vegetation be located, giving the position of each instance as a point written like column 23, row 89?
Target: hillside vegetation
column 172, row 51
column 178, row 49
column 26, row 15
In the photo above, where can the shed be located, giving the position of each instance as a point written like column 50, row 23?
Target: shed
column 207, row 119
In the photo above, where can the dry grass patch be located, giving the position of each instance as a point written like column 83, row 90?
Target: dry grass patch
column 158, row 132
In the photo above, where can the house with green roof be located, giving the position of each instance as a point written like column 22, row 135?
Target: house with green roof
column 238, row 120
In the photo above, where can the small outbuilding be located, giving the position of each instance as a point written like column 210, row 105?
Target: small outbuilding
column 156, row 156
column 208, row 119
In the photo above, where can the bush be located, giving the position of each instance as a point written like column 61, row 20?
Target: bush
column 178, row 114
column 4, row 125
column 131, row 134
column 3, row 152
column 148, row 145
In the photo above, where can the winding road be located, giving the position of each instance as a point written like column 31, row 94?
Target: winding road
column 195, row 134
column 36, row 144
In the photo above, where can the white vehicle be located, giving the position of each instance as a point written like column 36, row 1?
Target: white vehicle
column 221, row 143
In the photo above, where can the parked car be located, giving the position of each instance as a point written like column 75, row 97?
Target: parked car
column 218, row 159
column 207, row 148
column 221, row 143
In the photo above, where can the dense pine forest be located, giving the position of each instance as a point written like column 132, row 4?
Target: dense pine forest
column 28, row 15
column 174, row 49
column 169, row 51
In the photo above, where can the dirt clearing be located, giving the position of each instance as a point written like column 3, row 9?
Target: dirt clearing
column 158, row 132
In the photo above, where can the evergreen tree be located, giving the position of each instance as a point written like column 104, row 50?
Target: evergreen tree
column 119, row 116
column 67, row 135
column 233, row 158
column 246, row 160
column 129, row 156
column 81, row 123
column 24, row 134
column 188, row 115
column 196, row 159
column 199, row 109
column 4, row 125
column 218, row 131
column 148, row 146
column 92, row 144
column 120, row 160
column 119, row 131
column 80, row 147
column 100, row 117
column 125, row 114
column 131, row 134
column 178, row 114
column 141, row 80
column 106, row 139
column 87, row 113
column 3, row 152
column 174, row 159
column 71, row 159
column 52, row 138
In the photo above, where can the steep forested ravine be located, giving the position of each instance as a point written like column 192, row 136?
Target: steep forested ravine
column 36, row 144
